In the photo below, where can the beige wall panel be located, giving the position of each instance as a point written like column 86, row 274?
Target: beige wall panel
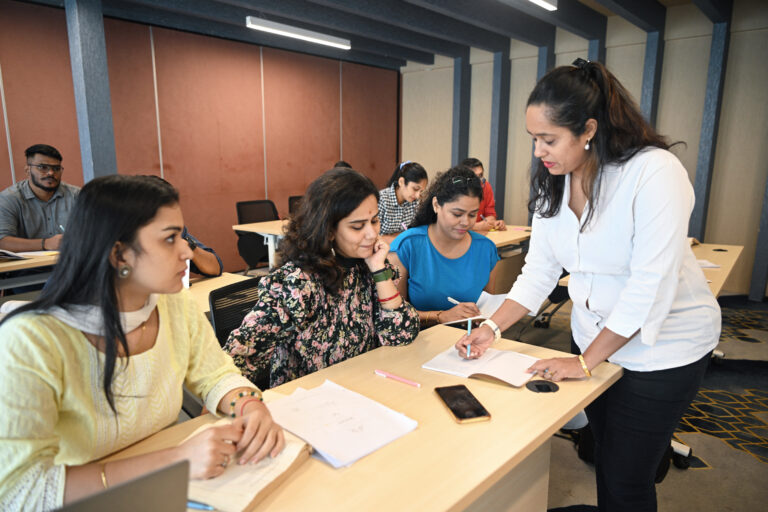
column 739, row 176
column 681, row 96
column 567, row 42
column 427, row 107
column 686, row 21
column 749, row 15
column 620, row 32
column 480, row 111
column 519, row 142
column 626, row 63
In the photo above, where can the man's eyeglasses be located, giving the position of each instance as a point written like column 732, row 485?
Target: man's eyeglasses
column 46, row 167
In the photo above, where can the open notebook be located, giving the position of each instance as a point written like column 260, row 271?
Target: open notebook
column 504, row 365
column 487, row 304
column 242, row 487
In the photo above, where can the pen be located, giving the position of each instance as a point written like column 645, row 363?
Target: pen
column 402, row 224
column 469, row 331
column 382, row 373
column 453, row 301
column 196, row 505
column 61, row 228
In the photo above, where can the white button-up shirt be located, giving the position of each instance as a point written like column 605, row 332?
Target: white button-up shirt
column 632, row 268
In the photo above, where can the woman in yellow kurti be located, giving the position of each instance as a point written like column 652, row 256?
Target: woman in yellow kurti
column 98, row 361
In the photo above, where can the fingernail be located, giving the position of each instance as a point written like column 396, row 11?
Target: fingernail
column 241, row 461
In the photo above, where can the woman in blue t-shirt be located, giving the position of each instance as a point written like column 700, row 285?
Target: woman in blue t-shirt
column 439, row 257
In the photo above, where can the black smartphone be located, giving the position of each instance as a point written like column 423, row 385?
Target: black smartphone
column 462, row 404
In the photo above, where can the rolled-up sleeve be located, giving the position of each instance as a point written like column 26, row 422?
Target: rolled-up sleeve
column 661, row 209
column 541, row 271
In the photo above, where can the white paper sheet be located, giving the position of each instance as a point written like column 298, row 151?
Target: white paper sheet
column 504, row 365
column 341, row 425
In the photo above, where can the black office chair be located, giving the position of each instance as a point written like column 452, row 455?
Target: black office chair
column 229, row 305
column 251, row 246
column 293, row 204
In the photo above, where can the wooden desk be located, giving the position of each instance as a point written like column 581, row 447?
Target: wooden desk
column 202, row 287
column 723, row 255
column 502, row 464
column 43, row 260
column 271, row 230
column 514, row 235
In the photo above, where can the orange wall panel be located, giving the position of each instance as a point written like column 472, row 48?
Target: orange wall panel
column 301, row 98
column 209, row 97
column 37, row 77
column 129, row 59
column 369, row 126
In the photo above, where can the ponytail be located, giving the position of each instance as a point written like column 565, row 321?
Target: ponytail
column 573, row 95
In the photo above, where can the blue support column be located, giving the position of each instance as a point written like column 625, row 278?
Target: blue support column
column 88, row 56
column 710, row 121
column 596, row 50
column 654, row 57
column 545, row 63
column 497, row 167
column 760, row 267
column 462, row 86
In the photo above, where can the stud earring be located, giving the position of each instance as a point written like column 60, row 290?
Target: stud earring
column 333, row 252
column 124, row 271
column 586, row 146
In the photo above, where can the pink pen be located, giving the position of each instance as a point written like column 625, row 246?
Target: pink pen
column 382, row 373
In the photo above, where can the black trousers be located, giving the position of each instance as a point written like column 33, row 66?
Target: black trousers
column 633, row 423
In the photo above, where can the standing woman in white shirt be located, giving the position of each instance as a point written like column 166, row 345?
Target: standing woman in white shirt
column 612, row 207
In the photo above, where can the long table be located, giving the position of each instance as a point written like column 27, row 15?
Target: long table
column 44, row 259
column 501, row 464
column 274, row 230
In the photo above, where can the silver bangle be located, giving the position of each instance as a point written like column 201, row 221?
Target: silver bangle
column 495, row 328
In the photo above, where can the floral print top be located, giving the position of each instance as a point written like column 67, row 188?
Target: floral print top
column 297, row 327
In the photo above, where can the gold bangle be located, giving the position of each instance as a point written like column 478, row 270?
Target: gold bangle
column 426, row 320
column 584, row 366
column 104, row 476
column 438, row 317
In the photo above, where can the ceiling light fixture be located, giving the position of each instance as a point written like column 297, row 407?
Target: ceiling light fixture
column 550, row 5
column 296, row 33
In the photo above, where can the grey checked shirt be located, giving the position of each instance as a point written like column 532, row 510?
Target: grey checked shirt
column 394, row 216
column 23, row 215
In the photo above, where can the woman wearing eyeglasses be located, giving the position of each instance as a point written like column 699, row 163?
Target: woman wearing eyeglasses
column 440, row 259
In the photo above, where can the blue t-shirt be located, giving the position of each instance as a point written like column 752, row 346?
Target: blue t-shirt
column 432, row 277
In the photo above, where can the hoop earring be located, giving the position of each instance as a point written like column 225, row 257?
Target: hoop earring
column 124, row 271
column 586, row 146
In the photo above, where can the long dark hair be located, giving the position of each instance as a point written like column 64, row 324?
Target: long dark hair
column 328, row 199
column 448, row 186
column 411, row 172
column 108, row 210
column 572, row 95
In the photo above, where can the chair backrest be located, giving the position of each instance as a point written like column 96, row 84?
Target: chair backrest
column 293, row 204
column 259, row 210
column 229, row 305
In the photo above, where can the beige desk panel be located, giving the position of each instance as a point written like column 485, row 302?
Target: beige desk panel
column 512, row 236
column 34, row 262
column 726, row 258
column 442, row 465
column 272, row 227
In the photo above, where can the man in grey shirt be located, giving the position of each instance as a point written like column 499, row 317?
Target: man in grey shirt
column 34, row 212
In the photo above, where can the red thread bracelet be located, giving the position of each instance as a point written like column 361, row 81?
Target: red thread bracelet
column 396, row 295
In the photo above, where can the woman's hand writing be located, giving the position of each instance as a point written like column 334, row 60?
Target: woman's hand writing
column 479, row 341
column 459, row 311
column 209, row 451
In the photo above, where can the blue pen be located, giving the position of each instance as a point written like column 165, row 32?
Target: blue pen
column 196, row 505
column 469, row 331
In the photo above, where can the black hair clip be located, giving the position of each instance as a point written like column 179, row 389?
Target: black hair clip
column 580, row 63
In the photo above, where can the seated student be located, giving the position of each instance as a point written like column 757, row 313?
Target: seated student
column 486, row 215
column 342, row 164
column 98, row 361
column 204, row 260
column 334, row 298
column 439, row 257
column 400, row 200
column 34, row 212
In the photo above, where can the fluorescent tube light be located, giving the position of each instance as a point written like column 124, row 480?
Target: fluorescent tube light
column 296, row 33
column 550, row 5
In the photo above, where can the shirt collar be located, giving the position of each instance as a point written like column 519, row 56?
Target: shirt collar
column 26, row 191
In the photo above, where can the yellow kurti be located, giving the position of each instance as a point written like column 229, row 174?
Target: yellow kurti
column 53, row 411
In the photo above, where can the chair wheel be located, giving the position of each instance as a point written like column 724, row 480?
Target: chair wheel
column 681, row 461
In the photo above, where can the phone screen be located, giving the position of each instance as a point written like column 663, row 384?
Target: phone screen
column 462, row 403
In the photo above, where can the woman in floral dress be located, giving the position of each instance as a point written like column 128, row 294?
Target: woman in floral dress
column 334, row 298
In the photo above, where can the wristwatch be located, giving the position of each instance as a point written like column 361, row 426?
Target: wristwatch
column 192, row 243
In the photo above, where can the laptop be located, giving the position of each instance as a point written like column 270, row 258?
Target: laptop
column 161, row 490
